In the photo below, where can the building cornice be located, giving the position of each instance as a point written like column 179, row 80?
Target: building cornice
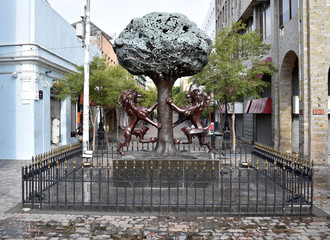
column 35, row 57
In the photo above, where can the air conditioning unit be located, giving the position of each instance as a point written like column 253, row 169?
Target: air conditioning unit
column 295, row 104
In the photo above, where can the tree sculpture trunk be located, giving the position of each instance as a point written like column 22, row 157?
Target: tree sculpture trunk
column 165, row 144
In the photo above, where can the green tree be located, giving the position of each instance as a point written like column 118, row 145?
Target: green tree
column 236, row 67
column 149, row 96
column 180, row 99
column 175, row 90
column 106, row 82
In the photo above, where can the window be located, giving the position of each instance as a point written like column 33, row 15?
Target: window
column 288, row 9
column 294, row 8
column 266, row 22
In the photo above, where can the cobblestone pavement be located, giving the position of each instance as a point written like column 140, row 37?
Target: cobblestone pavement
column 57, row 225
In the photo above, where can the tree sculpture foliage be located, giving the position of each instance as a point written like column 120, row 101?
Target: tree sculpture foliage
column 163, row 46
column 236, row 67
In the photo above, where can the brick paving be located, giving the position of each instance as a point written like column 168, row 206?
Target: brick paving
column 71, row 225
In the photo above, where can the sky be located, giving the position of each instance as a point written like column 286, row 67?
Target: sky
column 112, row 16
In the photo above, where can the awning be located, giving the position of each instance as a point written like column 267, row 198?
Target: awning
column 261, row 106
column 247, row 107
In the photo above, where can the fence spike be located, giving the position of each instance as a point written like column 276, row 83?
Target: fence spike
column 100, row 164
column 74, row 164
column 65, row 164
column 108, row 164
column 116, row 164
column 275, row 162
column 178, row 165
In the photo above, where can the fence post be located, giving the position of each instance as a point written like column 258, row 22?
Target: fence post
column 312, row 186
column 23, row 182
column 284, row 185
column 275, row 180
column 266, row 183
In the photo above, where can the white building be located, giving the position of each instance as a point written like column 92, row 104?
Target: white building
column 209, row 26
column 37, row 47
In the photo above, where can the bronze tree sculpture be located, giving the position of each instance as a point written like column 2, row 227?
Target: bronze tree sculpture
column 199, row 100
column 163, row 46
column 128, row 100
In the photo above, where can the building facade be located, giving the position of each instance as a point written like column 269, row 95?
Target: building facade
column 299, row 34
column 37, row 47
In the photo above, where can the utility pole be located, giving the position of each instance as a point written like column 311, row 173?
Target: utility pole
column 86, row 152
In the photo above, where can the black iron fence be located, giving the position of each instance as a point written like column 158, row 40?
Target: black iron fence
column 244, row 180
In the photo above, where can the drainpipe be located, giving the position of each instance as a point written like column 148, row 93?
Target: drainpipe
column 299, row 52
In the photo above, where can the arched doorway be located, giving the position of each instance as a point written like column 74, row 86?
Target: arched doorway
column 289, row 103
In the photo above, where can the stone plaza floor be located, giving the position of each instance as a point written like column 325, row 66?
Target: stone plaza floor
column 17, row 224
